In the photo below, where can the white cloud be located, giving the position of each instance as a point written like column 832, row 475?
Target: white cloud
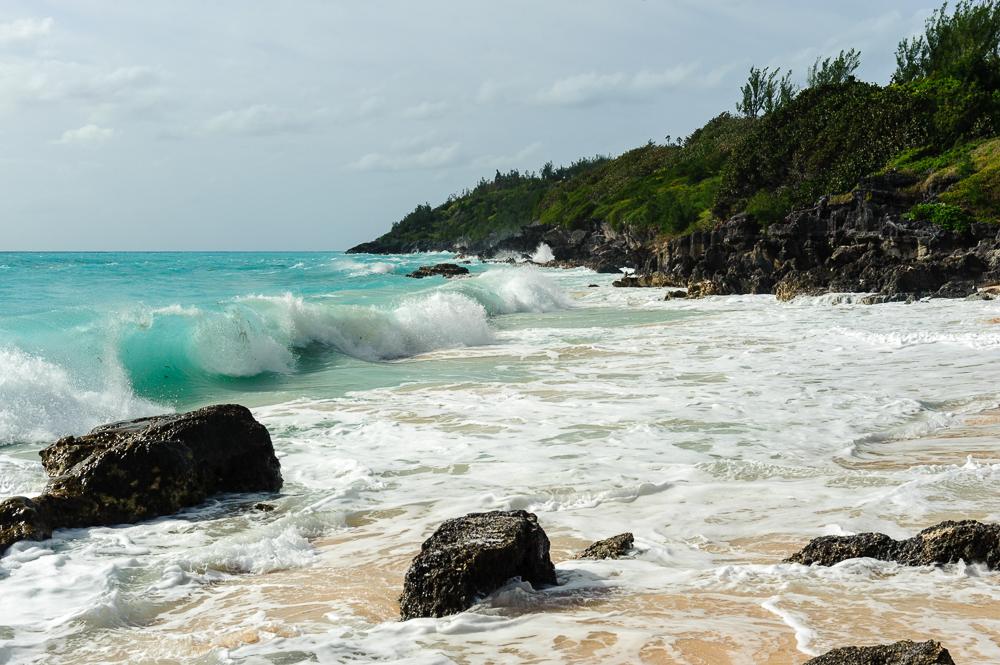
column 262, row 120
column 86, row 135
column 425, row 110
column 24, row 29
column 434, row 157
column 593, row 88
column 33, row 81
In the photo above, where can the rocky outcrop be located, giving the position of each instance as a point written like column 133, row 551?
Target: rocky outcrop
column 595, row 245
column 900, row 653
column 651, row 280
column 947, row 542
column 614, row 547
column 448, row 270
column 860, row 243
column 470, row 557
column 140, row 469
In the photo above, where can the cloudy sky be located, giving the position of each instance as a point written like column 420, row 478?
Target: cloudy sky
column 238, row 124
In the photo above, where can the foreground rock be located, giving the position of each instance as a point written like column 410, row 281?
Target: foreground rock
column 442, row 269
column 947, row 542
column 614, row 547
column 469, row 557
column 140, row 469
column 900, row 653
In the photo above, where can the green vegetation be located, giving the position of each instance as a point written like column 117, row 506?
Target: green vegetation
column 937, row 121
column 764, row 92
column 834, row 71
column 963, row 45
column 943, row 214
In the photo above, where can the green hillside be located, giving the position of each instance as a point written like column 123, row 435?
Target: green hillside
column 784, row 148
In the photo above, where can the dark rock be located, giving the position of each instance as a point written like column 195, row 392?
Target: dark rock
column 704, row 289
column 859, row 244
column 593, row 286
column 470, row 557
column 651, row 280
column 882, row 298
column 675, row 295
column 448, row 270
column 614, row 547
column 947, row 542
column 957, row 289
column 263, row 507
column 900, row 653
column 140, row 469
column 21, row 519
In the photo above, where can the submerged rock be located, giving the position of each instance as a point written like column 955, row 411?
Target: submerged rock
column 614, row 547
column 443, row 269
column 469, row 557
column 140, row 469
column 947, row 542
column 650, row 280
column 900, row 653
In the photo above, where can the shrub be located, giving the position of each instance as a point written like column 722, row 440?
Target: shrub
column 824, row 141
column 964, row 45
column 833, row 71
column 945, row 215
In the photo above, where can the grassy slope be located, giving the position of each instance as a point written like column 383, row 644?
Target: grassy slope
column 823, row 142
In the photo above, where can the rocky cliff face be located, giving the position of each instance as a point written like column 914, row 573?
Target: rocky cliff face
column 597, row 246
column 854, row 243
column 861, row 244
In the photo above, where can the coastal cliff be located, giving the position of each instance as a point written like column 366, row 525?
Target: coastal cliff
column 861, row 243
column 842, row 185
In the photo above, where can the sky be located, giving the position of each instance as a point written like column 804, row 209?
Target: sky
column 314, row 125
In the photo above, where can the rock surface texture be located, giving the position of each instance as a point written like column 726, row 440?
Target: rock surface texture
column 140, row 469
column 469, row 557
column 861, row 244
column 900, row 653
column 947, row 542
column 442, row 269
column 614, row 547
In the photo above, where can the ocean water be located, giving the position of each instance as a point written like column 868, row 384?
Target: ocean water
column 723, row 432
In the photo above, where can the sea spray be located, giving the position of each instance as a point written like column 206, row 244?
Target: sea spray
column 542, row 254
column 40, row 400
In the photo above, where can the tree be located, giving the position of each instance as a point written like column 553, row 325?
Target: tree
column 764, row 92
column 833, row 71
column 964, row 45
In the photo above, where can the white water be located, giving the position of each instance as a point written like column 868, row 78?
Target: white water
column 724, row 433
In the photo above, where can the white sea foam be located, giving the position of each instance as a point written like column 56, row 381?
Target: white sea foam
column 724, row 433
column 40, row 400
column 542, row 254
